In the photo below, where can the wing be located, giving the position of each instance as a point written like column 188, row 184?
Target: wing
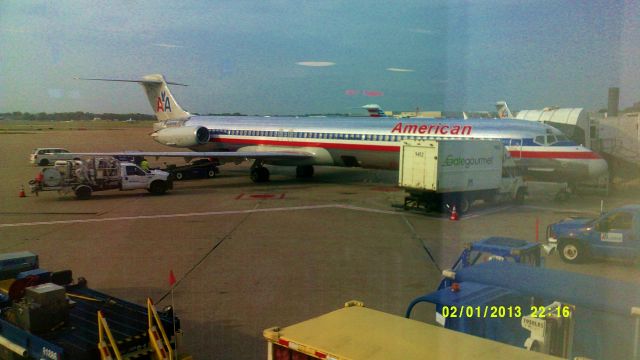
column 224, row 156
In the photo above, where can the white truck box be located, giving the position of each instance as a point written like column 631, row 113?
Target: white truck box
column 451, row 165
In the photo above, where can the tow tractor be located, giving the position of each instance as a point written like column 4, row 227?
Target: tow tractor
column 46, row 315
column 496, row 248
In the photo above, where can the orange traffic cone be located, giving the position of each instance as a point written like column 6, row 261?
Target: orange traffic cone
column 454, row 214
column 22, row 194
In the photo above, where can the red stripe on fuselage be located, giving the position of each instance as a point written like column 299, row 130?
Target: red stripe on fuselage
column 324, row 145
column 394, row 148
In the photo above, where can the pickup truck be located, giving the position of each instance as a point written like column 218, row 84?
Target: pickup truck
column 615, row 234
column 98, row 174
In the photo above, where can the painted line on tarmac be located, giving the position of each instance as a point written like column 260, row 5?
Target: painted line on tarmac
column 141, row 217
column 488, row 211
column 358, row 208
column 230, row 212
column 560, row 210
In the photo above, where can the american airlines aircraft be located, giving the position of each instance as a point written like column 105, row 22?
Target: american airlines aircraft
column 542, row 150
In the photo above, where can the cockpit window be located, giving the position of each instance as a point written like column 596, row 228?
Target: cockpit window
column 551, row 139
column 539, row 140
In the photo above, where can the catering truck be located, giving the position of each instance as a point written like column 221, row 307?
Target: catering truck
column 448, row 173
column 83, row 177
column 356, row 332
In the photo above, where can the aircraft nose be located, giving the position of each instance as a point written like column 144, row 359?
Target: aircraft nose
column 597, row 168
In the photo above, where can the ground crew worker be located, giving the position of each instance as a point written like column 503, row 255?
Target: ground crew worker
column 144, row 164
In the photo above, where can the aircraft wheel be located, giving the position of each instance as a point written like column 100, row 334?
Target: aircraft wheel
column 304, row 171
column 260, row 174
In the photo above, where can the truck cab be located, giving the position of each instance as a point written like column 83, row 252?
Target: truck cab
column 512, row 184
column 615, row 234
column 134, row 177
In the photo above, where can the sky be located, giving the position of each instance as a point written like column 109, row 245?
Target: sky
column 322, row 56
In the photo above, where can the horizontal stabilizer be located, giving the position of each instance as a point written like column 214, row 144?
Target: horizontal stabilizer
column 160, row 98
column 150, row 81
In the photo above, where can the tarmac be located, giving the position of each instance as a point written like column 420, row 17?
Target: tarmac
column 251, row 256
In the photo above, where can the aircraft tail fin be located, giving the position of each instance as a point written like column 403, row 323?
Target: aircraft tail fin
column 160, row 98
column 374, row 110
column 503, row 110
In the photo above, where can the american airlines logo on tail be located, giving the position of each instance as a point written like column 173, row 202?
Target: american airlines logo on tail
column 163, row 104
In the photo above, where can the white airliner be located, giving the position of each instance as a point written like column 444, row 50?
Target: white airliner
column 352, row 142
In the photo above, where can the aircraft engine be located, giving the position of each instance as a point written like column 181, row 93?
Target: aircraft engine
column 184, row 136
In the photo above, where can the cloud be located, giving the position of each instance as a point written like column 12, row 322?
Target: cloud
column 316, row 63
column 400, row 69
column 168, row 46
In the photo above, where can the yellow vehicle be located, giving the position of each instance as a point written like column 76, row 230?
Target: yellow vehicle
column 356, row 332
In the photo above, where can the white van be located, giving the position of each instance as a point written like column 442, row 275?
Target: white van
column 48, row 156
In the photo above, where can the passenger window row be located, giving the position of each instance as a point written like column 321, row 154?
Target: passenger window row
column 314, row 135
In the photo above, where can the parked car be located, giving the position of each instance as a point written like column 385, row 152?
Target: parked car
column 614, row 234
column 48, row 156
column 202, row 168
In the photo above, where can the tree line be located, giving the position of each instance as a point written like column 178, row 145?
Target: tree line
column 76, row 115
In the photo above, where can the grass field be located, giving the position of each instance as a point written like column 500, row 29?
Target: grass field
column 25, row 126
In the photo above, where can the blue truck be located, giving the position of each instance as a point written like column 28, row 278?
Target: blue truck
column 614, row 234
column 555, row 312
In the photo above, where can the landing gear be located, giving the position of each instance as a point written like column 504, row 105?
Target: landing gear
column 259, row 173
column 304, row 171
